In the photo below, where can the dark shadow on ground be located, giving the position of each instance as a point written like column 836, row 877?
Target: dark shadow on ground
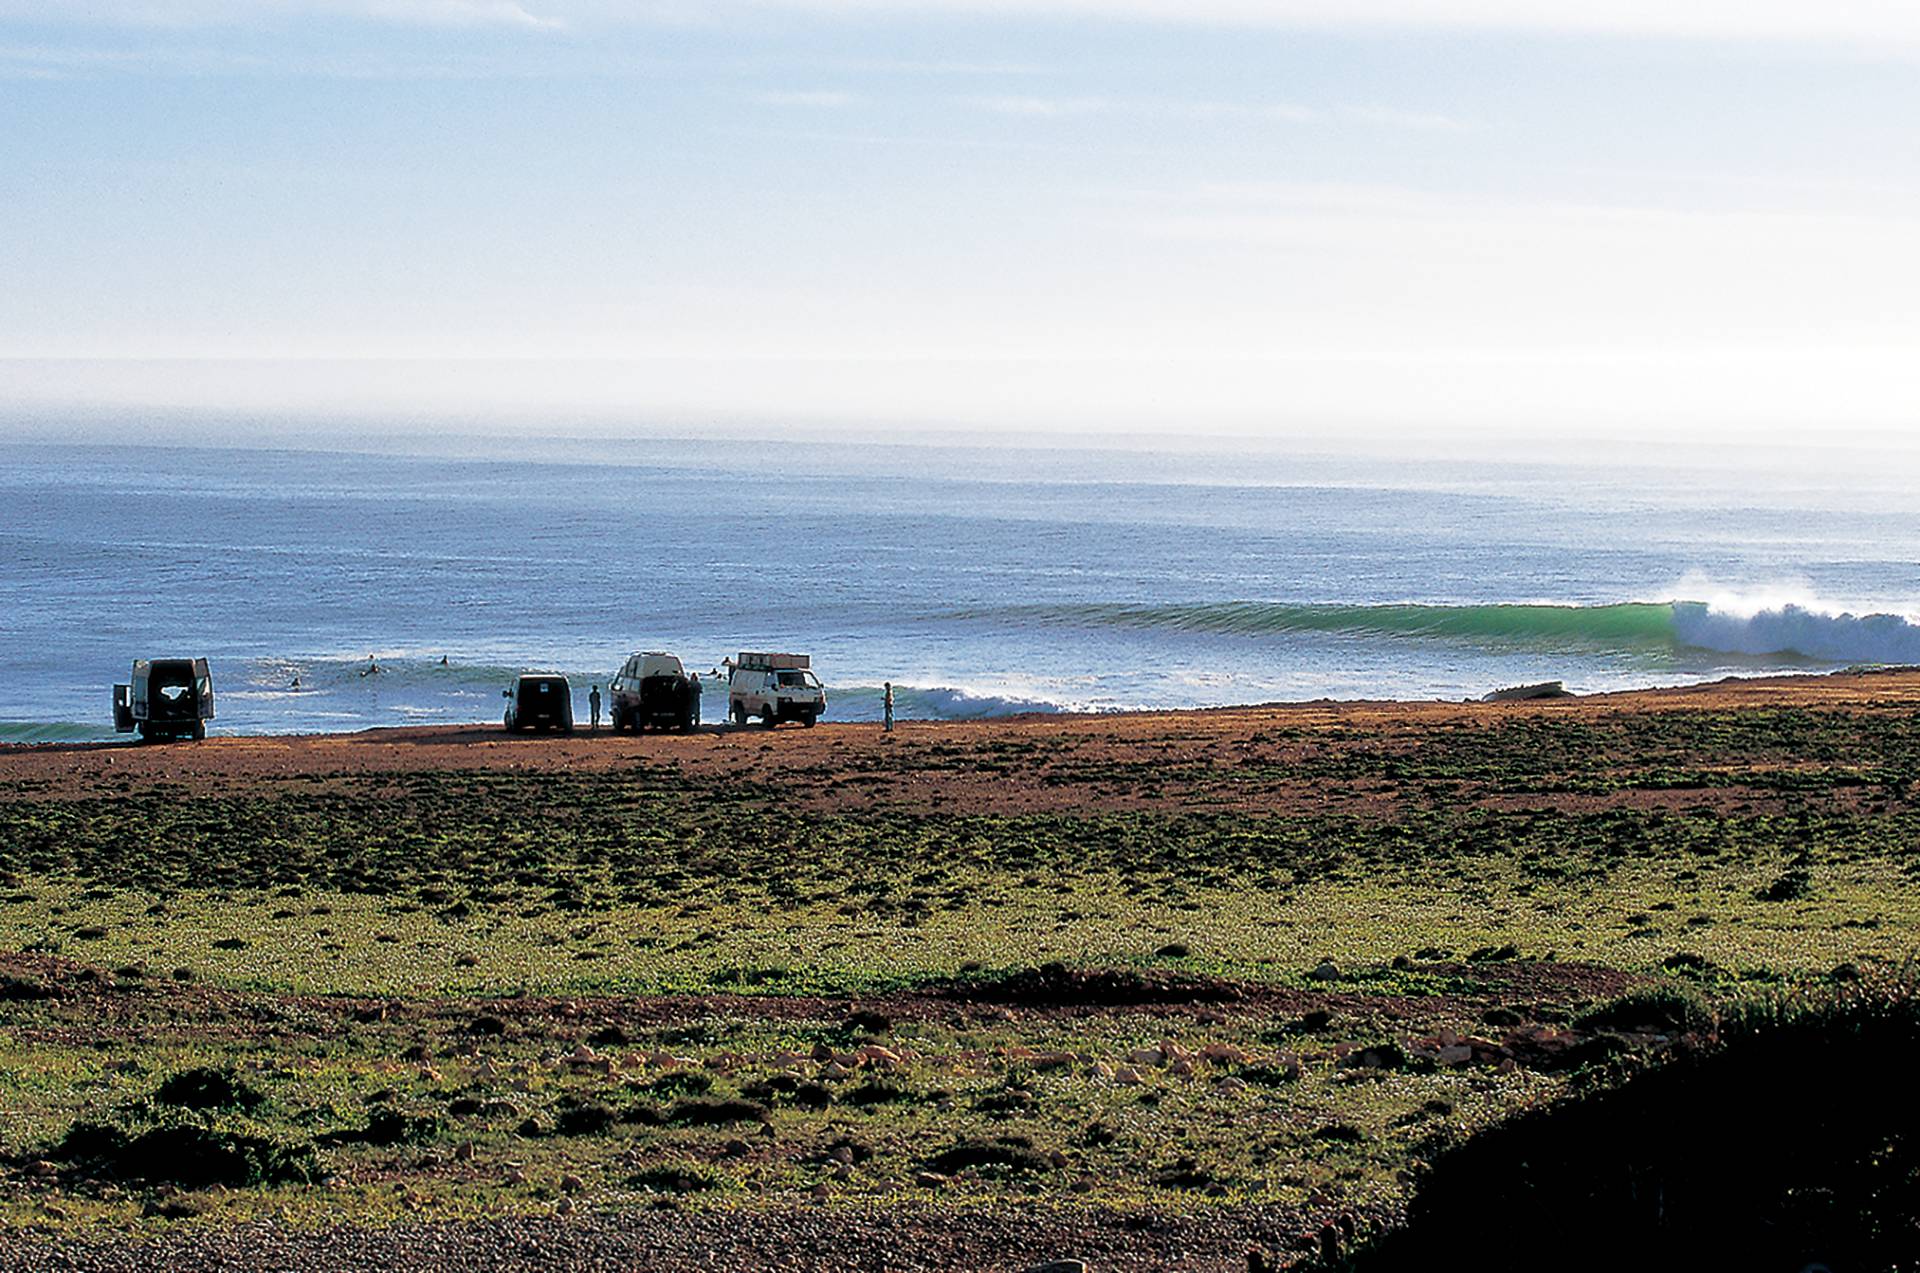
column 1787, row 1138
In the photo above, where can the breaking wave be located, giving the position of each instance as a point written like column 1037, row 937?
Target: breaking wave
column 53, row 731
column 913, row 702
column 1805, row 630
column 1836, row 637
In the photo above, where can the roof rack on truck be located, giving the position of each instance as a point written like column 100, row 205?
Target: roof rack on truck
column 773, row 662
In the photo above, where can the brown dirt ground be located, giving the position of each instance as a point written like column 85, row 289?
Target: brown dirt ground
column 1012, row 765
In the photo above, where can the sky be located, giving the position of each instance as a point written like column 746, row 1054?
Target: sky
column 1221, row 216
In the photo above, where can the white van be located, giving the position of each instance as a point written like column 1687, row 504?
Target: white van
column 775, row 687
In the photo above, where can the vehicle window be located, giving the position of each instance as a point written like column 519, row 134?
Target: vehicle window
column 170, row 685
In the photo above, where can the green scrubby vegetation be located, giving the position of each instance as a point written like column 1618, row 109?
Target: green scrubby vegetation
column 370, row 997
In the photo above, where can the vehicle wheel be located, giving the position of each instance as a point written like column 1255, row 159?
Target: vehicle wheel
column 141, row 729
column 199, row 731
column 739, row 715
column 770, row 718
column 686, row 723
column 810, row 719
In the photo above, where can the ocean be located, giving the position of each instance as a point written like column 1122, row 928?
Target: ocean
column 980, row 579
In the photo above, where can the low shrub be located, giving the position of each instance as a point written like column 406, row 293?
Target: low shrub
column 188, row 1155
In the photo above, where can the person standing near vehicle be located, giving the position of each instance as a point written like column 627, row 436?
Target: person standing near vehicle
column 693, row 690
column 593, row 708
column 887, row 706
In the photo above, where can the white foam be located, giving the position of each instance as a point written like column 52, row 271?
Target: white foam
column 1806, row 627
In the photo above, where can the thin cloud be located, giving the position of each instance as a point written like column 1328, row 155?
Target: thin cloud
column 256, row 13
column 1872, row 26
column 1419, row 121
column 1865, row 22
column 809, row 99
column 47, row 62
column 1040, row 107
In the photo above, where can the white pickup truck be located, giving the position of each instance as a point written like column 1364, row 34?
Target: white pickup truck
column 775, row 687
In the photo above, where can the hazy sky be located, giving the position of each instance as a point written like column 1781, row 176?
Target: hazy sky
column 1169, row 214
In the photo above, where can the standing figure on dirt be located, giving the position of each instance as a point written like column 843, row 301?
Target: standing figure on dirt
column 593, row 708
column 887, row 706
column 693, row 690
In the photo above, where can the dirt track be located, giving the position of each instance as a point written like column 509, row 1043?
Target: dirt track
column 1015, row 764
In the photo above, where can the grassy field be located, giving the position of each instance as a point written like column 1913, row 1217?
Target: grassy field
column 1294, row 962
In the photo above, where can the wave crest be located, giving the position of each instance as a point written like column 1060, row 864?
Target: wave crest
column 1795, row 629
column 915, row 702
column 54, row 731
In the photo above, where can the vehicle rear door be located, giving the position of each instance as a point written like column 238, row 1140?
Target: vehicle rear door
column 203, row 687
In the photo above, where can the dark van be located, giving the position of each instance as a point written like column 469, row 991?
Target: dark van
column 166, row 698
column 539, row 700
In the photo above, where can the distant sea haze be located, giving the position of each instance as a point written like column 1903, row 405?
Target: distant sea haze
column 980, row 583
